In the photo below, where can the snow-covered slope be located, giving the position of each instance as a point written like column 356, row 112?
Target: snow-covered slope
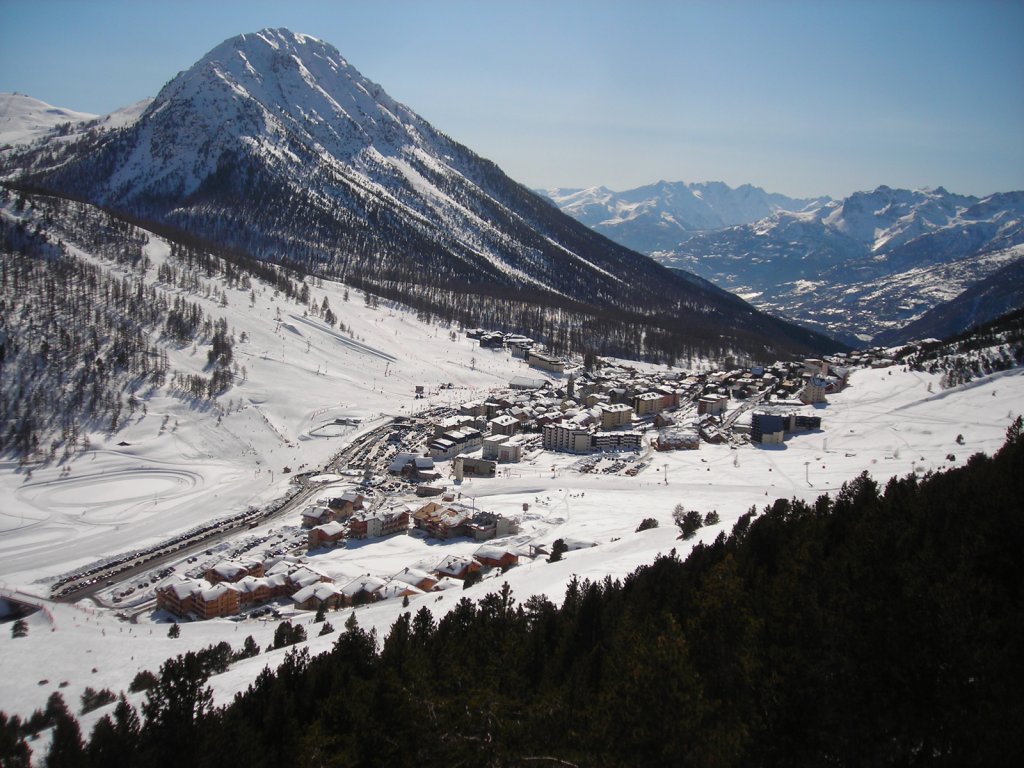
column 24, row 119
column 657, row 216
column 273, row 144
column 176, row 461
column 888, row 422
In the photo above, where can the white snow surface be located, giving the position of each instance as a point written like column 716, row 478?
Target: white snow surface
column 887, row 423
column 679, row 206
column 24, row 119
column 302, row 375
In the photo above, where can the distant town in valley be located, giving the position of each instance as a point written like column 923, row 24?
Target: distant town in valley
column 411, row 475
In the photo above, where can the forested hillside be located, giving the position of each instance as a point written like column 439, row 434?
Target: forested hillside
column 994, row 346
column 86, row 322
column 879, row 627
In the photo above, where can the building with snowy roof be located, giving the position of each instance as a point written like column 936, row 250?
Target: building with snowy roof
column 328, row 535
column 417, row 578
column 216, row 601
column 362, row 590
column 629, row 440
column 566, row 438
column 676, row 438
column 495, row 556
column 713, row 405
column 457, row 567
column 233, row 570
column 506, row 424
column 615, row 415
column 814, row 390
column 527, row 382
column 176, row 597
column 545, row 362
column 253, row 590
column 315, row 515
column 316, row 596
column 398, row 589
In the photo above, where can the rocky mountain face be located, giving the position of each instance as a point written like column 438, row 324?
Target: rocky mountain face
column 274, row 146
column 858, row 269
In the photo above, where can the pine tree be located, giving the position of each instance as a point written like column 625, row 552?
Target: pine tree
column 142, row 681
column 558, row 549
column 93, row 699
column 115, row 741
column 173, row 706
column 249, row 649
column 14, row 750
column 66, row 747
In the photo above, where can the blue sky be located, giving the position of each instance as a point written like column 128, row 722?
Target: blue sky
column 804, row 98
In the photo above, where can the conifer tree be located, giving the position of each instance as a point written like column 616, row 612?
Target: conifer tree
column 66, row 747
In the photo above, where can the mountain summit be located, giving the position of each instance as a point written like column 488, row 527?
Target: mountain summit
column 273, row 145
column 285, row 98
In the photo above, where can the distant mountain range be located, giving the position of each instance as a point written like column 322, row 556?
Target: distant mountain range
column 274, row 146
column 860, row 269
column 658, row 216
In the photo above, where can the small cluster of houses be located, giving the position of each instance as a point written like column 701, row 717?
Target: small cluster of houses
column 231, row 587
column 520, row 346
column 330, row 524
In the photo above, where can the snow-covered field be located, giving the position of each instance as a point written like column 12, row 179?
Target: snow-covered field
column 887, row 422
column 167, row 471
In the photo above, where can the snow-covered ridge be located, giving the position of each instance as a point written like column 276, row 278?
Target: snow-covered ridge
column 24, row 119
column 880, row 258
column 657, row 216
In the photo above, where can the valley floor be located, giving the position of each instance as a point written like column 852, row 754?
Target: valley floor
column 888, row 422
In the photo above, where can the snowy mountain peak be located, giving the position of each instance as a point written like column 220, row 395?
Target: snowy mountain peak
column 281, row 81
